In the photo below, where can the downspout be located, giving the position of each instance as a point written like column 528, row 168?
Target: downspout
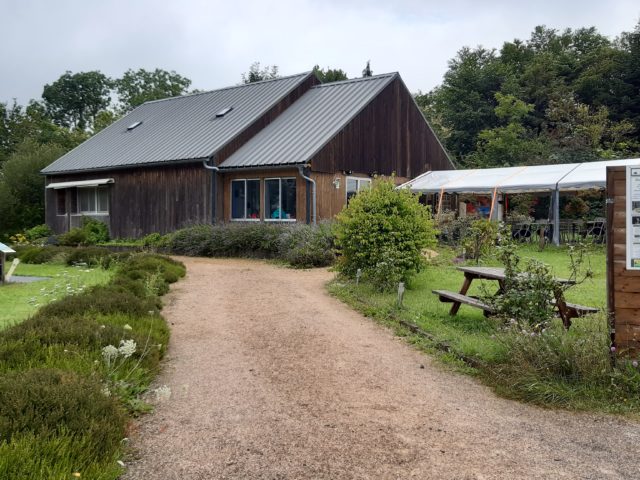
column 313, row 192
column 214, row 181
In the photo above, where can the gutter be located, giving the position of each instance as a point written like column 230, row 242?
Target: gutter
column 214, row 181
column 313, row 192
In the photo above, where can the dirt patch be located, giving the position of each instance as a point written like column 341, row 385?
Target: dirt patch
column 272, row 378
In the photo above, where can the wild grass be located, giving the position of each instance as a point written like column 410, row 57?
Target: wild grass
column 557, row 369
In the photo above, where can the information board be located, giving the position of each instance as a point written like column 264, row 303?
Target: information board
column 633, row 218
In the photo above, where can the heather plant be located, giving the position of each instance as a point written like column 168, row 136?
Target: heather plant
column 383, row 232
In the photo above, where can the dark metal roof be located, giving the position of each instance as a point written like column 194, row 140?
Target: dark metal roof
column 297, row 134
column 177, row 129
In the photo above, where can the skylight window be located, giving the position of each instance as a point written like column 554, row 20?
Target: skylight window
column 134, row 125
column 223, row 112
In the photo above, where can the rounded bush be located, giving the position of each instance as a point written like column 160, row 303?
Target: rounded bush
column 383, row 231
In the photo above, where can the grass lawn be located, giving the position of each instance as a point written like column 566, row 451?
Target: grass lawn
column 486, row 341
column 19, row 300
column 469, row 332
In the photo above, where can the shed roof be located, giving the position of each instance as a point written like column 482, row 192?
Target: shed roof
column 534, row 178
column 177, row 129
column 305, row 127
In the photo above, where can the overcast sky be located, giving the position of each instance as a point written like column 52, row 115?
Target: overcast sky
column 213, row 42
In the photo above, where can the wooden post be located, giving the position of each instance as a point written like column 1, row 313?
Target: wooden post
column 623, row 284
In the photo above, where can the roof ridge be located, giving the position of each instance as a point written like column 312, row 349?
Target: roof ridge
column 303, row 74
column 357, row 80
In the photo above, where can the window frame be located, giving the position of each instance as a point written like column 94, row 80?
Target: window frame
column 245, row 219
column 359, row 181
column 280, row 179
column 95, row 212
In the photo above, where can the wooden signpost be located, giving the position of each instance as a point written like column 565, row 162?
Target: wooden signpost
column 4, row 250
column 623, row 259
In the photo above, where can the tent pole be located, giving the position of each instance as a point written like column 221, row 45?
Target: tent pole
column 556, row 216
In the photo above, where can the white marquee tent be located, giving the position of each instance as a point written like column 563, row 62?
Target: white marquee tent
column 524, row 179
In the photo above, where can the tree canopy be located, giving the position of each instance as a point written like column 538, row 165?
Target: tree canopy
column 560, row 96
column 136, row 87
column 258, row 74
column 329, row 74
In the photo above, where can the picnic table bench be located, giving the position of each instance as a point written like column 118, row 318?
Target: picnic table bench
column 566, row 311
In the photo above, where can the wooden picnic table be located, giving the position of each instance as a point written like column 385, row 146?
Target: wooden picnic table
column 567, row 311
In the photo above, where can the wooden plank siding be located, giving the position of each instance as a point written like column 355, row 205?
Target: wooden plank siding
column 389, row 135
column 623, row 286
column 145, row 200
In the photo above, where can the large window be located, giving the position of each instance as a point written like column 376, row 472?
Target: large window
column 355, row 184
column 93, row 200
column 280, row 198
column 61, row 202
column 245, row 199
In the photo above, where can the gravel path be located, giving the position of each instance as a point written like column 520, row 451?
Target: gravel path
column 271, row 378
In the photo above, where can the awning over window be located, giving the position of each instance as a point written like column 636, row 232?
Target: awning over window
column 81, row 183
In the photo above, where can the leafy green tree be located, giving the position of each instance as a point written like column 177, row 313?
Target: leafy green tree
column 22, row 185
column 510, row 143
column 464, row 104
column 136, row 87
column 258, row 74
column 103, row 119
column 18, row 123
column 330, row 74
column 74, row 100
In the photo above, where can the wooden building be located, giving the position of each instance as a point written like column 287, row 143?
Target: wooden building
column 279, row 150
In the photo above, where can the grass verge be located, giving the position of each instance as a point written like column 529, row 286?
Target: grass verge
column 557, row 369
column 72, row 374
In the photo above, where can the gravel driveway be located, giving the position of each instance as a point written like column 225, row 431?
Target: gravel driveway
column 272, row 378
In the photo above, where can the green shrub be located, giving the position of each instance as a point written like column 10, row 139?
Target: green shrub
column 96, row 231
column 305, row 246
column 44, row 402
column 38, row 232
column 452, row 229
column 37, row 255
column 104, row 299
column 140, row 266
column 73, row 238
column 383, row 231
column 480, row 238
column 155, row 240
column 92, row 256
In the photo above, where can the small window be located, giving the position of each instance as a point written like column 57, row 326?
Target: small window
column 245, row 199
column 61, row 202
column 134, row 125
column 280, row 198
column 355, row 184
column 223, row 112
column 93, row 200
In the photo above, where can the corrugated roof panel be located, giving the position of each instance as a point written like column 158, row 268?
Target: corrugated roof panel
column 178, row 128
column 305, row 127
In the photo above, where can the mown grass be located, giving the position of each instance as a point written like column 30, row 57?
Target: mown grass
column 527, row 370
column 19, row 300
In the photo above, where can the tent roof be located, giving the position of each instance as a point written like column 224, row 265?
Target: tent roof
column 534, row 178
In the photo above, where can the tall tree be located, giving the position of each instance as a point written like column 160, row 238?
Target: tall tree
column 136, row 87
column 22, row 186
column 257, row 74
column 330, row 74
column 75, row 99
column 367, row 72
